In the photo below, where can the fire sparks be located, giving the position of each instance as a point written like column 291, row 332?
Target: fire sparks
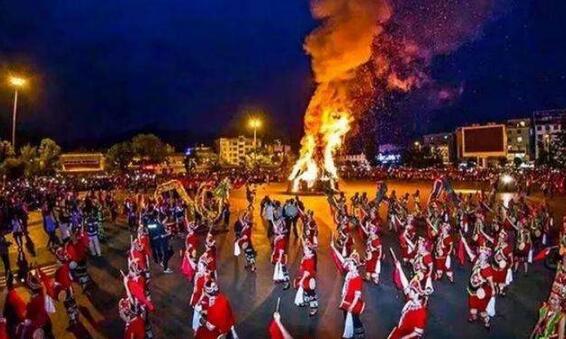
column 339, row 48
column 361, row 51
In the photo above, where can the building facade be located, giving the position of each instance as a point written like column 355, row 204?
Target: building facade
column 486, row 144
column 443, row 144
column 277, row 147
column 201, row 157
column 547, row 125
column 233, row 151
column 359, row 159
column 82, row 162
column 519, row 139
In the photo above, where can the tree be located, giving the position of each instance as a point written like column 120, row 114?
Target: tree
column 49, row 153
column 119, row 156
column 13, row 168
column 169, row 150
column 150, row 148
column 29, row 158
column 6, row 150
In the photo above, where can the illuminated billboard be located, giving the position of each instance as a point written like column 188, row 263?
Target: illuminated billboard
column 82, row 162
column 484, row 141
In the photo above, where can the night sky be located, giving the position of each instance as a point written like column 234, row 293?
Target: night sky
column 192, row 69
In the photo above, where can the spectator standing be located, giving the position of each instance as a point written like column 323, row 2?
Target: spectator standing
column 92, row 231
column 291, row 215
column 4, row 248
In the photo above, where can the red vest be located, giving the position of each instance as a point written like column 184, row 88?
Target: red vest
column 411, row 319
column 135, row 329
column 220, row 315
column 351, row 286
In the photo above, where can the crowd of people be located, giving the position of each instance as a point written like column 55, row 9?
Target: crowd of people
column 74, row 225
column 499, row 240
column 546, row 180
column 155, row 221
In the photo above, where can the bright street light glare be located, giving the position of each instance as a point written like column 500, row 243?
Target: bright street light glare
column 17, row 81
column 506, row 179
column 255, row 123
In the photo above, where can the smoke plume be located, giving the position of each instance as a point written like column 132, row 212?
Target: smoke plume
column 366, row 49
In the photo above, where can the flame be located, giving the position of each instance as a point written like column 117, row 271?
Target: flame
column 305, row 168
column 339, row 48
column 334, row 127
column 363, row 50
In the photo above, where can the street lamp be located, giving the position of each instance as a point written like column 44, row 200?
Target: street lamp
column 255, row 123
column 17, row 83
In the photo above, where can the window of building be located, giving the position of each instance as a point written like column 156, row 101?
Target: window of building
column 519, row 139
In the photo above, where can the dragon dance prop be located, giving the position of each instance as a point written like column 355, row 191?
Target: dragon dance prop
column 208, row 202
column 210, row 199
column 177, row 186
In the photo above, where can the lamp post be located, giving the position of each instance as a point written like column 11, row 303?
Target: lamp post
column 17, row 83
column 255, row 123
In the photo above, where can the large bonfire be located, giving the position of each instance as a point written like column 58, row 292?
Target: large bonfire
column 361, row 51
column 343, row 62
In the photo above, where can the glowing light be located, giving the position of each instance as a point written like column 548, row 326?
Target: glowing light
column 17, row 81
column 506, row 179
column 334, row 127
column 255, row 123
column 305, row 168
column 316, row 159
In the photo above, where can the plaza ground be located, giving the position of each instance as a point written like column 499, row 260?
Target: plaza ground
column 253, row 295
